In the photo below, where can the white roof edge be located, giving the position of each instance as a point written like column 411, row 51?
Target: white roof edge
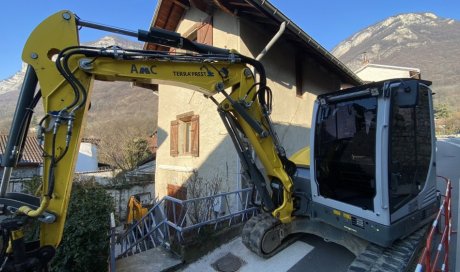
column 387, row 67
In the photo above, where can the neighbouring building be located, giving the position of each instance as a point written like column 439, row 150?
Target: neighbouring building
column 28, row 167
column 377, row 72
column 87, row 160
column 191, row 136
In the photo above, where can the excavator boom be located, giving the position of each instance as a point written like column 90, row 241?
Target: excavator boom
column 65, row 72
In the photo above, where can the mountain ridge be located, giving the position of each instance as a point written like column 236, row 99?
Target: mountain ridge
column 111, row 101
column 421, row 40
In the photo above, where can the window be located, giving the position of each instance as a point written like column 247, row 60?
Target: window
column 410, row 150
column 185, row 135
column 345, row 151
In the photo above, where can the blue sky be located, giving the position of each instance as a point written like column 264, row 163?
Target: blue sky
column 327, row 21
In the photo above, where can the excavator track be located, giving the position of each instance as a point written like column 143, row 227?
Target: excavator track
column 401, row 256
column 265, row 235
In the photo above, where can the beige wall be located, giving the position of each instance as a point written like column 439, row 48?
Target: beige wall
column 291, row 114
column 217, row 155
column 370, row 73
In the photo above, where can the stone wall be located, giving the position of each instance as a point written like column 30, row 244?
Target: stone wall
column 121, row 187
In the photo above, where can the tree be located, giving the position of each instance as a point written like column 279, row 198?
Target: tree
column 198, row 187
column 442, row 111
column 85, row 243
column 124, row 145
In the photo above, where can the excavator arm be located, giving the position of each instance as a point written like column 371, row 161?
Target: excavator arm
column 65, row 71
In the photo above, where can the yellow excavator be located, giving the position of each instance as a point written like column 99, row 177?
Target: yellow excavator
column 367, row 181
column 136, row 209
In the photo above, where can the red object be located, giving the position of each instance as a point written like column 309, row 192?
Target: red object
column 429, row 259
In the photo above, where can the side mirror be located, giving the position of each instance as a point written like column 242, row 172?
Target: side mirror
column 405, row 93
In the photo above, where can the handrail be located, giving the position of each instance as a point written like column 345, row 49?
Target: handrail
column 112, row 243
column 170, row 219
column 425, row 263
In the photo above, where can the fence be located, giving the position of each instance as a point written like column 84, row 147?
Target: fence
column 112, row 236
column 173, row 220
column 445, row 212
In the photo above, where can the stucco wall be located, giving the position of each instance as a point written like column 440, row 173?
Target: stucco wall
column 217, row 155
column 291, row 114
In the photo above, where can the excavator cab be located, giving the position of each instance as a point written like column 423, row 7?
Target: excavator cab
column 373, row 159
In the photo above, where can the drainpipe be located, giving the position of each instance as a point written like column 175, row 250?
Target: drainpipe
column 272, row 41
column 259, row 57
column 266, row 48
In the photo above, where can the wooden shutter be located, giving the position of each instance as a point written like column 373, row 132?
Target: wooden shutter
column 204, row 33
column 174, row 143
column 195, row 131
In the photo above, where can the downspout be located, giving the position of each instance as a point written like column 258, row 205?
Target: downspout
column 272, row 41
column 269, row 45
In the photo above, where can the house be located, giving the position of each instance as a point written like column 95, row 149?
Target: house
column 377, row 72
column 28, row 167
column 191, row 137
column 119, row 184
column 87, row 160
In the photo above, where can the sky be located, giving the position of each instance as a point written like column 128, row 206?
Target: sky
column 328, row 21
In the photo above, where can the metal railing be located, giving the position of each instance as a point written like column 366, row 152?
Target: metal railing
column 173, row 220
column 112, row 241
column 429, row 260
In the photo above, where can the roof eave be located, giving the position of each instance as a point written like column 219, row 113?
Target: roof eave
column 280, row 17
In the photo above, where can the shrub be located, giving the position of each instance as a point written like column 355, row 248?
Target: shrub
column 85, row 243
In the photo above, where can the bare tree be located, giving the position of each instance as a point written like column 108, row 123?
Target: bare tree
column 197, row 187
column 123, row 145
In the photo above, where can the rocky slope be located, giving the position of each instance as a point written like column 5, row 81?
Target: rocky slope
column 115, row 102
column 419, row 40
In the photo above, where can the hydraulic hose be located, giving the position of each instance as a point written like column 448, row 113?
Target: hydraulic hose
column 39, row 211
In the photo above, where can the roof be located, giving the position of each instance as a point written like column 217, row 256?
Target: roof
column 32, row 154
column 169, row 13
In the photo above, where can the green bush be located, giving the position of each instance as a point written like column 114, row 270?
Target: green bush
column 85, row 243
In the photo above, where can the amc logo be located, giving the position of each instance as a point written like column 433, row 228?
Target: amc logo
column 147, row 70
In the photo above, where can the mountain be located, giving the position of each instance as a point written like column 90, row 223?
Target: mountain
column 108, row 41
column 13, row 83
column 111, row 102
column 419, row 40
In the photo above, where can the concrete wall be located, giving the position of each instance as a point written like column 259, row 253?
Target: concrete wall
column 291, row 113
column 120, row 192
column 21, row 175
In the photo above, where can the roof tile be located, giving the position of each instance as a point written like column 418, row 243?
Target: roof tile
column 32, row 152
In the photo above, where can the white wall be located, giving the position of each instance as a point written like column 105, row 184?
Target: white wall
column 371, row 73
column 87, row 158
